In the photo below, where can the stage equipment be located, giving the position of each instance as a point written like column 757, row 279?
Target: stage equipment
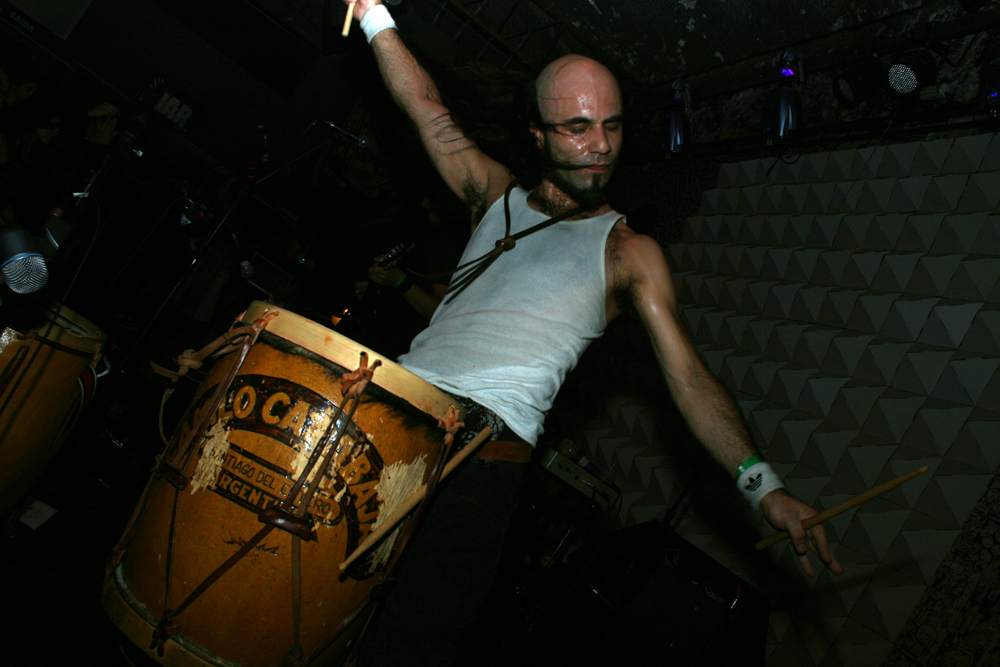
column 782, row 107
column 646, row 596
column 861, row 82
column 23, row 266
column 193, row 209
column 59, row 377
column 360, row 141
column 911, row 71
column 584, row 481
column 296, row 428
column 680, row 119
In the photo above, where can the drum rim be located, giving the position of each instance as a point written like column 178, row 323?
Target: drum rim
column 333, row 346
column 90, row 342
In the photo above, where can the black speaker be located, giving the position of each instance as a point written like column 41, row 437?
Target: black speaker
column 649, row 597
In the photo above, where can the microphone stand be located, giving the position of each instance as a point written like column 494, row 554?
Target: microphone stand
column 362, row 142
column 199, row 256
column 224, row 220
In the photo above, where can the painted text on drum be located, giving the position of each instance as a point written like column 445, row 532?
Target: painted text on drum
column 296, row 417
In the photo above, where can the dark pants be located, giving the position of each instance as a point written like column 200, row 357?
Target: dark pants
column 447, row 569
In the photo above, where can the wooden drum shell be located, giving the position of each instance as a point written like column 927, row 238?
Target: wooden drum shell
column 47, row 399
column 274, row 413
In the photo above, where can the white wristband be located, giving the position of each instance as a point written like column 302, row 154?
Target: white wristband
column 757, row 481
column 375, row 21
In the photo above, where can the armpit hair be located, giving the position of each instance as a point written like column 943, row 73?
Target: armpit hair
column 624, row 288
column 475, row 199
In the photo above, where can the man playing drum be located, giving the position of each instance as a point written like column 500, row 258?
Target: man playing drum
column 504, row 342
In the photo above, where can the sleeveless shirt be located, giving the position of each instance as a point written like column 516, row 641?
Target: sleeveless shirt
column 509, row 338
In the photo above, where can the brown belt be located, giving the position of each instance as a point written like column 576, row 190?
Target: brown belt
column 505, row 450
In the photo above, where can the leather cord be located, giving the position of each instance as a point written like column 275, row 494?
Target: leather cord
column 471, row 270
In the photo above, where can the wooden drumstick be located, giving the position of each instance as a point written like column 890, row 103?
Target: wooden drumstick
column 414, row 498
column 347, row 20
column 844, row 506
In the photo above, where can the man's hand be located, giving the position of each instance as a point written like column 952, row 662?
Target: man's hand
column 361, row 6
column 388, row 275
column 785, row 512
column 104, row 110
column 101, row 128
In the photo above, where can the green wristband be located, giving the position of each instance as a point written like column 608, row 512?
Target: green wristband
column 753, row 460
column 402, row 279
column 405, row 284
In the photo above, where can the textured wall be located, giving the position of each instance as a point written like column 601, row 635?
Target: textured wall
column 850, row 301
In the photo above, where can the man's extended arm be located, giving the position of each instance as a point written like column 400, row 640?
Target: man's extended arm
column 706, row 405
column 476, row 178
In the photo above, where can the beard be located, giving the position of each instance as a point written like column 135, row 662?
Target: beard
column 590, row 196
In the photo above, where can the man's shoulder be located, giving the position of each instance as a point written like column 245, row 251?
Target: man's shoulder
column 631, row 241
column 633, row 253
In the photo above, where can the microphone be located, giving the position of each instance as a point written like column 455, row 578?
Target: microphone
column 23, row 267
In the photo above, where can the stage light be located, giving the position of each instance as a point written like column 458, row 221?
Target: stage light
column 910, row 72
column 861, row 82
column 989, row 78
column 23, row 267
column 791, row 68
column 680, row 120
column 782, row 106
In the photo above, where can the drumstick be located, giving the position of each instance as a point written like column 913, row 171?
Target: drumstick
column 844, row 506
column 347, row 20
column 414, row 498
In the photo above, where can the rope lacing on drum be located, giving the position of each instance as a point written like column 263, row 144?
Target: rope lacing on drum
column 222, row 345
column 450, row 423
column 244, row 335
column 353, row 383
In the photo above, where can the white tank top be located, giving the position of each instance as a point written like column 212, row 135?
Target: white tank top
column 508, row 340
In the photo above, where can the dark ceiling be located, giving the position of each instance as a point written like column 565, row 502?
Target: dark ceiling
column 282, row 65
column 649, row 43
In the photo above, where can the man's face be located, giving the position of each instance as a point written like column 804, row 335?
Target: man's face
column 581, row 135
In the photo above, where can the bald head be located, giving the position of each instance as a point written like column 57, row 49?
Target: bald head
column 576, row 79
column 578, row 129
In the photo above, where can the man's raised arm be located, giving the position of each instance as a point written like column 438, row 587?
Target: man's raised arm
column 476, row 178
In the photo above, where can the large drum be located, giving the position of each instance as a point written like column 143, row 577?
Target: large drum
column 194, row 543
column 47, row 373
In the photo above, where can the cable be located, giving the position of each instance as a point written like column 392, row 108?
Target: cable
column 107, row 363
column 146, row 238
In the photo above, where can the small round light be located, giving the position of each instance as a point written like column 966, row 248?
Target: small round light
column 912, row 71
column 846, row 90
column 902, row 78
